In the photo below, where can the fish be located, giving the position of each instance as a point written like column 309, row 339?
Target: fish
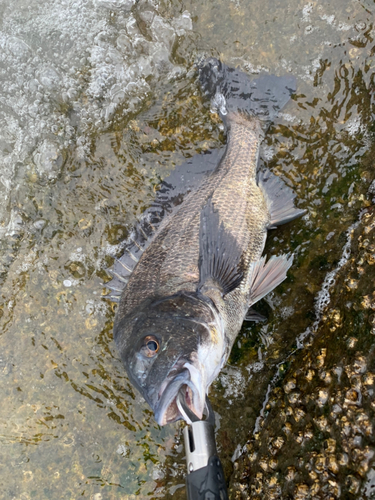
column 190, row 275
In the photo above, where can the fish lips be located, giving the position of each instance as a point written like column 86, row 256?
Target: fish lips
column 167, row 411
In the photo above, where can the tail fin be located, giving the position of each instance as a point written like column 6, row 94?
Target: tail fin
column 232, row 91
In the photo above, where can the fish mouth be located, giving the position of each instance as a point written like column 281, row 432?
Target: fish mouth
column 167, row 410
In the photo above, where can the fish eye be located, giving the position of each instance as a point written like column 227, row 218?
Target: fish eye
column 150, row 346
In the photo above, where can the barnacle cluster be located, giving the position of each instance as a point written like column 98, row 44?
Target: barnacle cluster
column 316, row 439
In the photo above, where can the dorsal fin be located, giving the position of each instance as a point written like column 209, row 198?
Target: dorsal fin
column 171, row 193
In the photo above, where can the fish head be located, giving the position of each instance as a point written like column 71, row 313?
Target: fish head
column 172, row 343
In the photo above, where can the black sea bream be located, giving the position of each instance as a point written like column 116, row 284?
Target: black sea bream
column 184, row 293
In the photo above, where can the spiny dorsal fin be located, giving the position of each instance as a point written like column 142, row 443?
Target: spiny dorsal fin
column 219, row 253
column 265, row 277
column 279, row 198
column 170, row 194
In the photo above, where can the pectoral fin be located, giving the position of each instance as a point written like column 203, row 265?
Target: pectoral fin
column 265, row 277
column 280, row 199
column 253, row 315
column 219, row 253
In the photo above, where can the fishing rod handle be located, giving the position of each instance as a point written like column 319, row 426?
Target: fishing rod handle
column 207, row 483
column 205, row 478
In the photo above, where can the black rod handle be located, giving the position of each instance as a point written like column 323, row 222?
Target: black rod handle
column 207, row 483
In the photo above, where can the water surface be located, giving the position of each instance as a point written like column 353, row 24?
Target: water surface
column 98, row 103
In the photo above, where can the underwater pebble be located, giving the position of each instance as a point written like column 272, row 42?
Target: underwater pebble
column 28, row 475
column 122, row 450
column 323, row 397
column 157, row 473
column 371, row 189
column 289, row 386
column 39, row 224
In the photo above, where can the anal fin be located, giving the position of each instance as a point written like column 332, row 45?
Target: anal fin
column 265, row 277
column 280, row 199
column 219, row 253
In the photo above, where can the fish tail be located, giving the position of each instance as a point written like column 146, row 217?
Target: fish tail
column 232, row 91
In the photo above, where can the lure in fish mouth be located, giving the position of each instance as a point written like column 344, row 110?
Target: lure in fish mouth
column 167, row 410
column 185, row 289
column 189, row 374
column 160, row 365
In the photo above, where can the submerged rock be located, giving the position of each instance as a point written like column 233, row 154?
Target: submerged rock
column 316, row 439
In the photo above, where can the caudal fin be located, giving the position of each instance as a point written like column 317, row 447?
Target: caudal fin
column 232, row 91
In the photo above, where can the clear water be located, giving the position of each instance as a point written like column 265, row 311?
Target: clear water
column 98, row 103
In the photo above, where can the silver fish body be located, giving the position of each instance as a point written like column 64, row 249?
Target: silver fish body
column 187, row 296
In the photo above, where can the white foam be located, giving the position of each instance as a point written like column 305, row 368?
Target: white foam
column 355, row 126
column 233, row 381
column 66, row 68
column 306, row 12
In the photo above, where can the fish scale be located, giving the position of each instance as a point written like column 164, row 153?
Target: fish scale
column 187, row 296
column 235, row 195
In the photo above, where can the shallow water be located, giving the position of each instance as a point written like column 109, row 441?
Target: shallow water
column 98, row 103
